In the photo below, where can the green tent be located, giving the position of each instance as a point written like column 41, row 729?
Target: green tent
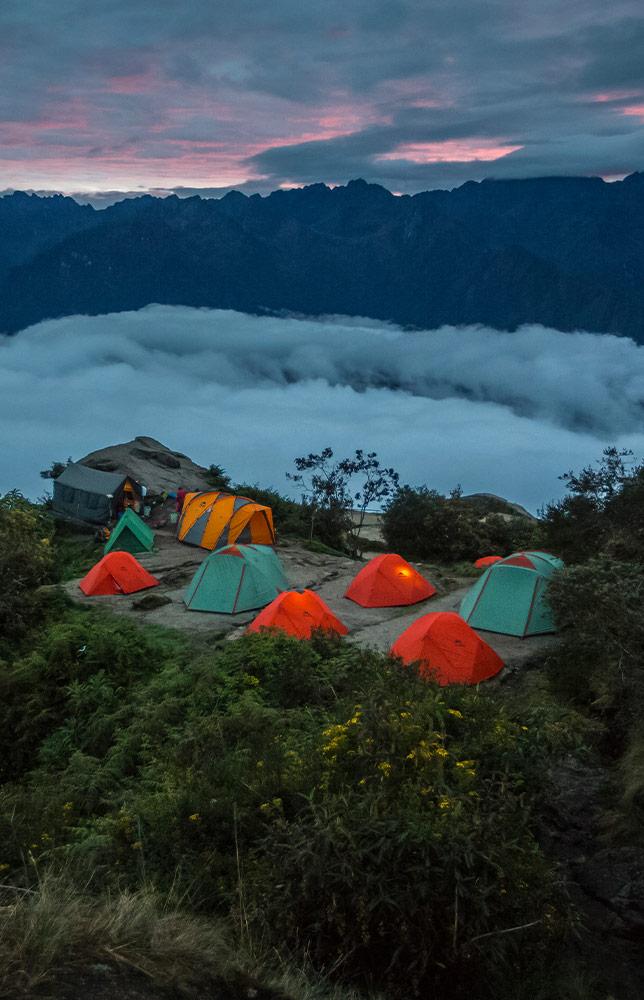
column 130, row 534
column 236, row 578
column 510, row 597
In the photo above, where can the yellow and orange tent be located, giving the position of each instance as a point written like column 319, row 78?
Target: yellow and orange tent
column 213, row 519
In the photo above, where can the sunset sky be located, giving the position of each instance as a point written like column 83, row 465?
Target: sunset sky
column 134, row 95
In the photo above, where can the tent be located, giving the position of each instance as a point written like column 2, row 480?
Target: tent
column 86, row 494
column 130, row 534
column 447, row 650
column 236, row 578
column 214, row 519
column 388, row 581
column 117, row 573
column 298, row 613
column 510, row 597
column 486, row 561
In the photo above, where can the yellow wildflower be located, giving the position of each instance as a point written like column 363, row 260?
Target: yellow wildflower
column 363, row 781
column 194, row 818
column 465, row 763
column 411, row 755
column 251, row 680
column 405, row 715
column 455, row 712
column 444, row 803
column 265, row 807
column 441, row 752
column 385, row 768
column 68, row 806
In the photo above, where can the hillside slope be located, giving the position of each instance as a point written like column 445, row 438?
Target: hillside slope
column 565, row 252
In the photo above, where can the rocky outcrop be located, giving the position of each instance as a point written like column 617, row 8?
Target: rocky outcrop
column 151, row 463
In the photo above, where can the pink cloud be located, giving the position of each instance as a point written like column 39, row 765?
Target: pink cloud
column 634, row 111
column 450, row 151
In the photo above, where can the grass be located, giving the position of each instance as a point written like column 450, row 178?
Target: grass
column 54, row 934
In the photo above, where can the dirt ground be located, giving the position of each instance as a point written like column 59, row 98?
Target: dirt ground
column 174, row 564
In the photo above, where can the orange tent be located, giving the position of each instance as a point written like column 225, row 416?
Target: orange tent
column 117, row 573
column 487, row 561
column 447, row 650
column 388, row 581
column 213, row 519
column 298, row 613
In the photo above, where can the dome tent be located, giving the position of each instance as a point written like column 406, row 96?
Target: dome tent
column 236, row 578
column 213, row 519
column 117, row 573
column 486, row 561
column 510, row 597
column 130, row 534
column 388, row 581
column 447, row 650
column 298, row 613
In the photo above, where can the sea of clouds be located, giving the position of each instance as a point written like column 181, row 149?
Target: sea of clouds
column 496, row 412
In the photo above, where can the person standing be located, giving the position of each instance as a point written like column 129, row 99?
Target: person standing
column 181, row 496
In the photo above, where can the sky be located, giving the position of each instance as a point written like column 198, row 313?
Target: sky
column 128, row 95
column 505, row 413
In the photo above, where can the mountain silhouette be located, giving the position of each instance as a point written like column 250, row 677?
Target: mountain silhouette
column 565, row 252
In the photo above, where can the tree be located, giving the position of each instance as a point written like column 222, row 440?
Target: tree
column 337, row 504
column 218, row 478
column 603, row 510
column 55, row 469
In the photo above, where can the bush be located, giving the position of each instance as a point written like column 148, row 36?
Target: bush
column 310, row 787
column 423, row 524
column 289, row 517
column 604, row 510
column 26, row 562
column 598, row 608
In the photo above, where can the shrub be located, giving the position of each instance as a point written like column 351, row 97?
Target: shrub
column 26, row 561
column 597, row 664
column 423, row 524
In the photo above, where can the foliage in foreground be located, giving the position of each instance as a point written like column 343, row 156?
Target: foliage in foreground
column 339, row 805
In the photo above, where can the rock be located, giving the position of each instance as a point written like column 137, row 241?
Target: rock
column 150, row 602
column 151, row 463
column 615, row 877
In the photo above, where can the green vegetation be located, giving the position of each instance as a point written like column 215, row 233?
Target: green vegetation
column 422, row 524
column 220, row 815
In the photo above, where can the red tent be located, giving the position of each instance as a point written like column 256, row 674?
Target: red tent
column 447, row 650
column 117, row 573
column 487, row 561
column 388, row 581
column 298, row 614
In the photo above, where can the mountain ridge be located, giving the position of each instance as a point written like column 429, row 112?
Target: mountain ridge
column 564, row 252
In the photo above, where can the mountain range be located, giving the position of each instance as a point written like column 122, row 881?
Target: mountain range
column 566, row 252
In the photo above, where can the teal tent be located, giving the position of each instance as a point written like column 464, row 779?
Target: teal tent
column 510, row 597
column 130, row 534
column 236, row 578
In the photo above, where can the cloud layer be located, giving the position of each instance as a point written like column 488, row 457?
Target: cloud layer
column 408, row 93
column 497, row 412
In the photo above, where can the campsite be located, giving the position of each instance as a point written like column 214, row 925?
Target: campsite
column 202, row 695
